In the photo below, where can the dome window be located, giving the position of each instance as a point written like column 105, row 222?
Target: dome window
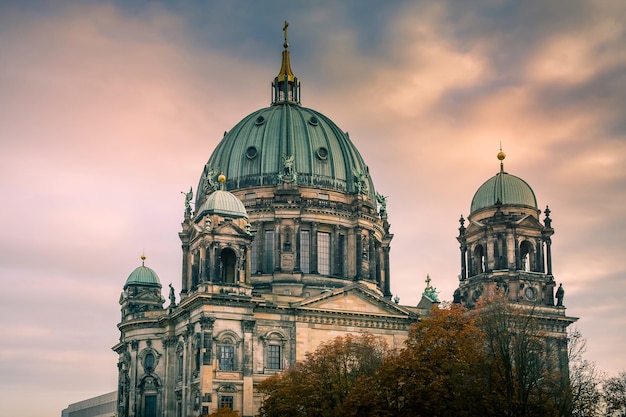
column 260, row 120
column 313, row 121
column 322, row 153
column 252, row 152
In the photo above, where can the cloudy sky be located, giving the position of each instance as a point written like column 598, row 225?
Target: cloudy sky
column 108, row 110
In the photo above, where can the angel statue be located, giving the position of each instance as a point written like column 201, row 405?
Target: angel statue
column 382, row 200
column 188, row 197
column 360, row 181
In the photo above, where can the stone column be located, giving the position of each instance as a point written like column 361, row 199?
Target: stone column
column 277, row 245
column 359, row 253
column 296, row 238
column 185, row 271
column 387, row 288
column 314, row 267
column 247, row 371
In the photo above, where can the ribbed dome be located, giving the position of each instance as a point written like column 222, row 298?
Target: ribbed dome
column 506, row 189
column 223, row 203
column 253, row 153
column 143, row 276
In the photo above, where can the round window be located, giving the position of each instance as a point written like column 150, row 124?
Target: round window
column 251, row 152
column 322, row 153
column 531, row 293
column 313, row 121
column 260, row 120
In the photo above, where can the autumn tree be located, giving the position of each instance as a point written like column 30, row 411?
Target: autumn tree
column 615, row 395
column 319, row 385
column 437, row 373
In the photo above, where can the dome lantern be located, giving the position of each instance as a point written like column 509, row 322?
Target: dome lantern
column 285, row 87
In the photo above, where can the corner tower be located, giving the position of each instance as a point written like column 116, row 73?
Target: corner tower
column 506, row 249
column 311, row 202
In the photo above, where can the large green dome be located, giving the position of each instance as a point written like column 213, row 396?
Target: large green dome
column 253, row 153
column 505, row 189
column 287, row 140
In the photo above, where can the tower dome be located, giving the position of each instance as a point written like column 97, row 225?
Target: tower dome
column 143, row 275
column 223, row 203
column 503, row 189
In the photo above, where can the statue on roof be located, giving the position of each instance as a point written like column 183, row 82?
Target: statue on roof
column 172, row 296
column 360, row 181
column 430, row 292
column 188, row 197
column 560, row 293
column 289, row 173
column 382, row 200
column 210, row 184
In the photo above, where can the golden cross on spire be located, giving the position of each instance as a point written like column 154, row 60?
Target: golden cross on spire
column 286, row 45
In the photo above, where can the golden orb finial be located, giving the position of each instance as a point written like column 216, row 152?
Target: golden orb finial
column 501, row 155
column 143, row 258
column 221, row 178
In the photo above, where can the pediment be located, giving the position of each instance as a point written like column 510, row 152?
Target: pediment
column 353, row 299
column 228, row 228
column 530, row 221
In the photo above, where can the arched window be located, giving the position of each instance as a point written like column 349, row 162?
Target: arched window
column 274, row 350
column 527, row 261
column 227, row 351
column 229, row 265
column 479, row 260
column 148, row 362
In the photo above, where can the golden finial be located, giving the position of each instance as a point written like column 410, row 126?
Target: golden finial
column 222, row 179
column 501, row 156
column 143, row 258
column 286, row 44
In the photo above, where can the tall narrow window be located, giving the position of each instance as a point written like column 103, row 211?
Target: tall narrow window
column 339, row 257
column 226, row 358
column 179, row 363
column 254, row 255
column 229, row 260
column 273, row 357
column 323, row 253
column 268, row 264
column 150, row 403
column 305, row 251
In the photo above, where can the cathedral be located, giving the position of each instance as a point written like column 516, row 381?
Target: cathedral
column 285, row 245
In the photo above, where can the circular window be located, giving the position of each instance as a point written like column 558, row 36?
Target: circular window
column 531, row 293
column 260, row 120
column 251, row 152
column 313, row 121
column 322, row 153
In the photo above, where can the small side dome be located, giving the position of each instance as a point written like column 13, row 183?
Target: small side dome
column 223, row 203
column 143, row 276
column 505, row 189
